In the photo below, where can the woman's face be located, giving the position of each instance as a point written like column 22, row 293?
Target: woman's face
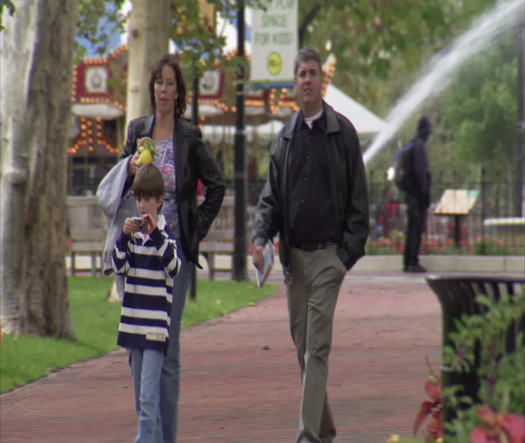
column 165, row 89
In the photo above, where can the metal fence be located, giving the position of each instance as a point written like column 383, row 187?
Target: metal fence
column 490, row 227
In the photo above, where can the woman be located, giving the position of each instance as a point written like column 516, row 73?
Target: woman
column 183, row 160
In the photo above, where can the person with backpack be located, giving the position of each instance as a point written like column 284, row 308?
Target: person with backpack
column 416, row 186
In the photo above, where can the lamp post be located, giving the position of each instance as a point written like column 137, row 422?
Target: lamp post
column 239, row 247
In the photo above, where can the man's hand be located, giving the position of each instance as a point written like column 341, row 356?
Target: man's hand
column 257, row 255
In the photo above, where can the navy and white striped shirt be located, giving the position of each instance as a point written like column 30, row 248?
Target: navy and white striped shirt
column 149, row 263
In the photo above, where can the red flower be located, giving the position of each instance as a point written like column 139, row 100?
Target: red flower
column 432, row 408
column 498, row 428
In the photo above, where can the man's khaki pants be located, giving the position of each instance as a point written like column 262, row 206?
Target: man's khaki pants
column 312, row 287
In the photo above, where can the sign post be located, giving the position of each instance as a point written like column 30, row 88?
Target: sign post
column 456, row 203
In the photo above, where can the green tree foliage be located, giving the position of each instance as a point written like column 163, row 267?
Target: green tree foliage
column 193, row 34
column 10, row 7
column 91, row 14
column 196, row 38
column 379, row 44
column 480, row 108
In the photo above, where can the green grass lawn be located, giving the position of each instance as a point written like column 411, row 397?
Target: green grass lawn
column 26, row 358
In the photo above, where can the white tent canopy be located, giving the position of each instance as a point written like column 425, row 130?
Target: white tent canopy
column 105, row 111
column 226, row 133
column 365, row 122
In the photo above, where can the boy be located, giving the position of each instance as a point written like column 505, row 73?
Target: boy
column 146, row 255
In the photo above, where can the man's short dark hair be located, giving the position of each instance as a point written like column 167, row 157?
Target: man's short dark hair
column 148, row 182
column 306, row 54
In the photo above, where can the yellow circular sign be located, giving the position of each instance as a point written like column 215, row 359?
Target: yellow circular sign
column 274, row 63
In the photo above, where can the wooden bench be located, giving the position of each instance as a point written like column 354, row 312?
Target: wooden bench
column 217, row 242
column 87, row 231
column 220, row 237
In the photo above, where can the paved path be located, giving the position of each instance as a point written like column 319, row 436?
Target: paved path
column 240, row 377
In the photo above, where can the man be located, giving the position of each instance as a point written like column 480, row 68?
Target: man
column 316, row 198
column 417, row 197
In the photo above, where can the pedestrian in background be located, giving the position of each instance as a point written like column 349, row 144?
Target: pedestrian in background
column 417, row 196
column 316, row 198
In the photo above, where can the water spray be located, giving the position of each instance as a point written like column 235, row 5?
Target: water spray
column 437, row 73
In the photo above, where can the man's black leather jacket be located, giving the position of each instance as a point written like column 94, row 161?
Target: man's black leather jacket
column 348, row 189
column 193, row 161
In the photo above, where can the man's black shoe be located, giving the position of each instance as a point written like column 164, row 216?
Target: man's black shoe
column 415, row 268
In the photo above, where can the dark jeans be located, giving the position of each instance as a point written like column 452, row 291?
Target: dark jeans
column 170, row 376
column 416, row 216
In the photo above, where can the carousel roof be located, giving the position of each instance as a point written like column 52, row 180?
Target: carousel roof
column 99, row 86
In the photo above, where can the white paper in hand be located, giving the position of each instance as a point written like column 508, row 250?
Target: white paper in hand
column 267, row 265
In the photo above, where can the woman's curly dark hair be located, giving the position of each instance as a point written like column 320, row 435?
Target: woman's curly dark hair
column 156, row 72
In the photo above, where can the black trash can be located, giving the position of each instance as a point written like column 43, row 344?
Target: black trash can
column 457, row 296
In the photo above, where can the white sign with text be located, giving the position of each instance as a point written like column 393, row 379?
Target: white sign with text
column 274, row 42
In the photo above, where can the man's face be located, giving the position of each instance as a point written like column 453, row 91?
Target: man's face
column 308, row 82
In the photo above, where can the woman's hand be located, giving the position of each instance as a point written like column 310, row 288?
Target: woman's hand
column 133, row 165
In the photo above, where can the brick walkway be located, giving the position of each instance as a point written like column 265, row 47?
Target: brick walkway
column 240, row 377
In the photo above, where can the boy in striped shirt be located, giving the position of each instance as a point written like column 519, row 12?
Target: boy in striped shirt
column 146, row 255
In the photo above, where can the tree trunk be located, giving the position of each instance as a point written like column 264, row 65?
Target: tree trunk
column 36, row 63
column 148, row 39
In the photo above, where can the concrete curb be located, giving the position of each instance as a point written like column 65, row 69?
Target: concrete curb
column 483, row 264
column 445, row 263
column 391, row 263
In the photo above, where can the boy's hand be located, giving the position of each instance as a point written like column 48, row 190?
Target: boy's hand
column 132, row 224
column 149, row 224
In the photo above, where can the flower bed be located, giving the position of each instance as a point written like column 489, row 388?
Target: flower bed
column 395, row 243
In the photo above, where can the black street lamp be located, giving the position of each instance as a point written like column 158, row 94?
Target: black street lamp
column 239, row 246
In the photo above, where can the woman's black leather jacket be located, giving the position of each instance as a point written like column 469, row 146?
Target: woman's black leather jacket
column 193, row 161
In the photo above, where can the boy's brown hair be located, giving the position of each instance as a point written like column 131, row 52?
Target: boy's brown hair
column 148, row 182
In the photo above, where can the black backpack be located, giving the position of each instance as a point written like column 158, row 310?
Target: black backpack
column 403, row 170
